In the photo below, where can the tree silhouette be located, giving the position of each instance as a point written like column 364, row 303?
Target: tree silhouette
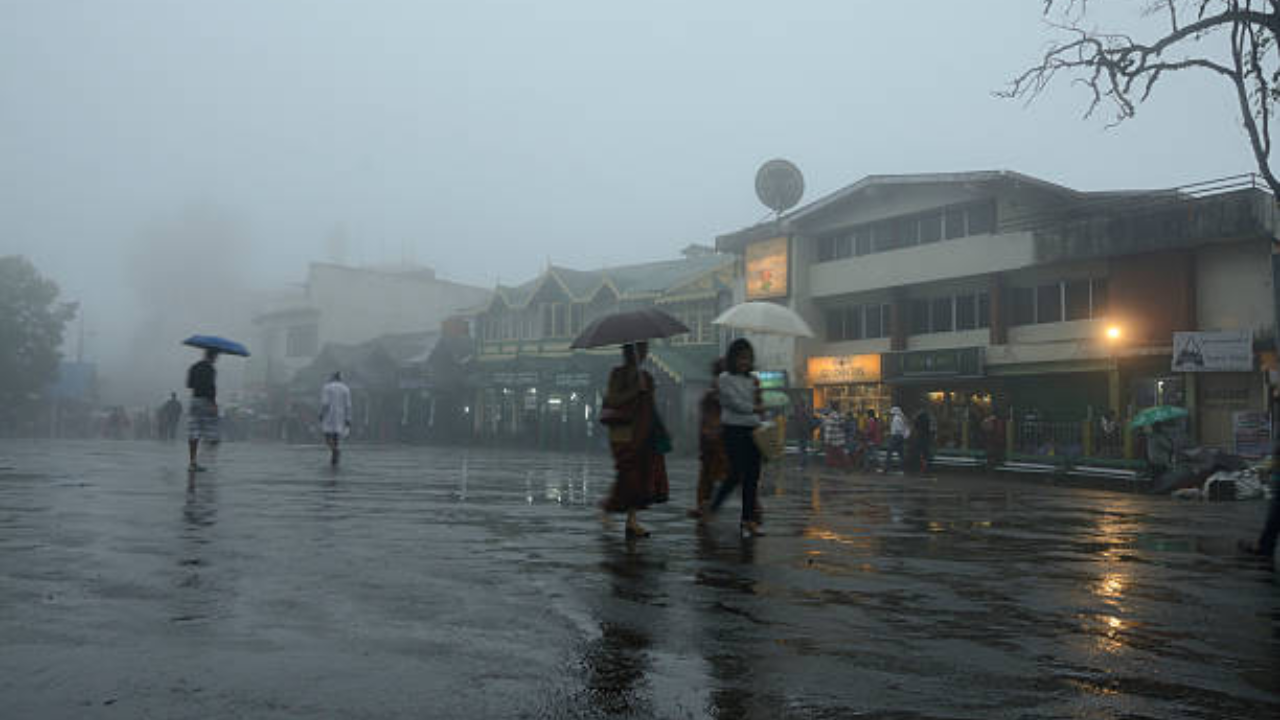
column 1233, row 39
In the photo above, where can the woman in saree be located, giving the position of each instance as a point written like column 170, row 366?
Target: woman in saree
column 634, row 431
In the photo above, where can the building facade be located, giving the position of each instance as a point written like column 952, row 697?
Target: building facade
column 531, row 389
column 972, row 293
column 348, row 306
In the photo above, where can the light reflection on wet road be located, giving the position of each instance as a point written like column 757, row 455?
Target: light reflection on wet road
column 444, row 583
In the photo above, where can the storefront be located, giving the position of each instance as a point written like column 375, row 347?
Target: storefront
column 1215, row 373
column 848, row 383
column 950, row 383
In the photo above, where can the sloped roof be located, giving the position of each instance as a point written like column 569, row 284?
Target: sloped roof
column 770, row 228
column 629, row 280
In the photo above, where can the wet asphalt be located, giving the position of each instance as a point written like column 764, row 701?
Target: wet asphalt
column 440, row 583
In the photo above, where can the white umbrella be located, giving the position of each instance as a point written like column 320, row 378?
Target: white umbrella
column 764, row 317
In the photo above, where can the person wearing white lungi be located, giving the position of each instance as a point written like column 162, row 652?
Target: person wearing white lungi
column 335, row 413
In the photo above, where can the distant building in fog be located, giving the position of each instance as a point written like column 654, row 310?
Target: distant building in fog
column 350, row 305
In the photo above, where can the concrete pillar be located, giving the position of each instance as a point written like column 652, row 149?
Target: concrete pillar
column 998, row 319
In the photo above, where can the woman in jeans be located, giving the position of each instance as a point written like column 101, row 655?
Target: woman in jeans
column 739, row 416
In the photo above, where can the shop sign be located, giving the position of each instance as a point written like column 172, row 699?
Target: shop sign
column 766, row 266
column 1217, row 351
column 842, row 369
column 951, row 362
column 772, row 379
column 518, row 379
column 573, row 380
column 1250, row 434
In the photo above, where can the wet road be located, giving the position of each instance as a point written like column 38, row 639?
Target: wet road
column 442, row 583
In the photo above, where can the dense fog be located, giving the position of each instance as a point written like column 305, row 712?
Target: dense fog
column 171, row 165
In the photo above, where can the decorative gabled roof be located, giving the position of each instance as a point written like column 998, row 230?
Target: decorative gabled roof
column 628, row 281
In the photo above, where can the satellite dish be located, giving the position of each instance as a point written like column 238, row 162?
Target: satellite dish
column 779, row 185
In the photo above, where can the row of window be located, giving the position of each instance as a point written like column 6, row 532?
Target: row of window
column 1053, row 302
column 1060, row 301
column 858, row 322
column 950, row 313
column 566, row 320
column 945, row 223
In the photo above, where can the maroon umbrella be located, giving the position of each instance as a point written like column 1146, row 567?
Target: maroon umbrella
column 628, row 327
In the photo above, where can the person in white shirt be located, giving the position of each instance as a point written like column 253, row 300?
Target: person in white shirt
column 899, row 431
column 335, row 413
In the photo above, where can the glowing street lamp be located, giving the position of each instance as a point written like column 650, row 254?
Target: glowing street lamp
column 1114, row 332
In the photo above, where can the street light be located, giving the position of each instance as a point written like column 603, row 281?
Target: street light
column 1114, row 332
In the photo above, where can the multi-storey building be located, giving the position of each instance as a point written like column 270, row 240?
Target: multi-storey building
column 964, row 292
column 349, row 306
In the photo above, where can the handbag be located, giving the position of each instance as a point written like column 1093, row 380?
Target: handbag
column 768, row 440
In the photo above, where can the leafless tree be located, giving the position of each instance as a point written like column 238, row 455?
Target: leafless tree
column 1234, row 39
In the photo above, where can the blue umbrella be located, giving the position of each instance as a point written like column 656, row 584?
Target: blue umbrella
column 213, row 342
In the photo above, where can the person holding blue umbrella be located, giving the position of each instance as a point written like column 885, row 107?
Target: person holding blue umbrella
column 202, row 411
column 202, row 380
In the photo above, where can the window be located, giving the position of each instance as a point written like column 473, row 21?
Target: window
column 930, row 228
column 918, row 316
column 301, row 340
column 1049, row 303
column 844, row 246
column 835, row 324
column 940, row 319
column 853, row 323
column 1077, row 300
column 875, row 323
column 1024, row 306
column 984, row 310
column 966, row 312
column 954, row 218
column 883, row 237
column 982, row 218
column 575, row 319
column 1099, row 297
column 548, row 321
column 908, row 231
column 862, row 239
column 826, row 249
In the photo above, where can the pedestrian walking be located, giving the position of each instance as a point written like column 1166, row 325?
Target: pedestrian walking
column 898, row 432
column 920, row 443
column 872, row 437
column 1265, row 546
column 833, row 440
column 713, row 463
column 636, row 437
column 168, row 416
column 202, row 410
column 740, row 416
column 335, row 414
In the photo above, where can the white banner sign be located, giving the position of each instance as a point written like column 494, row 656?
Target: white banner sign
column 1218, row 351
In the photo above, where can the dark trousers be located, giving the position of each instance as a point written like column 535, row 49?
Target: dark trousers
column 1267, row 541
column 744, row 469
column 895, row 448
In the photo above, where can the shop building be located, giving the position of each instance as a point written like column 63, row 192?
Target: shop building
column 531, row 389
column 972, row 292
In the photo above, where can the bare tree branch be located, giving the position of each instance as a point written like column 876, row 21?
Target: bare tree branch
column 1122, row 72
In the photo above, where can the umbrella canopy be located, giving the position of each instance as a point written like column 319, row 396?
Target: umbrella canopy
column 765, row 317
column 628, row 327
column 1157, row 414
column 213, row 342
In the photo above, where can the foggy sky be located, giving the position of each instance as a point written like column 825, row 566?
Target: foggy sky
column 484, row 138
